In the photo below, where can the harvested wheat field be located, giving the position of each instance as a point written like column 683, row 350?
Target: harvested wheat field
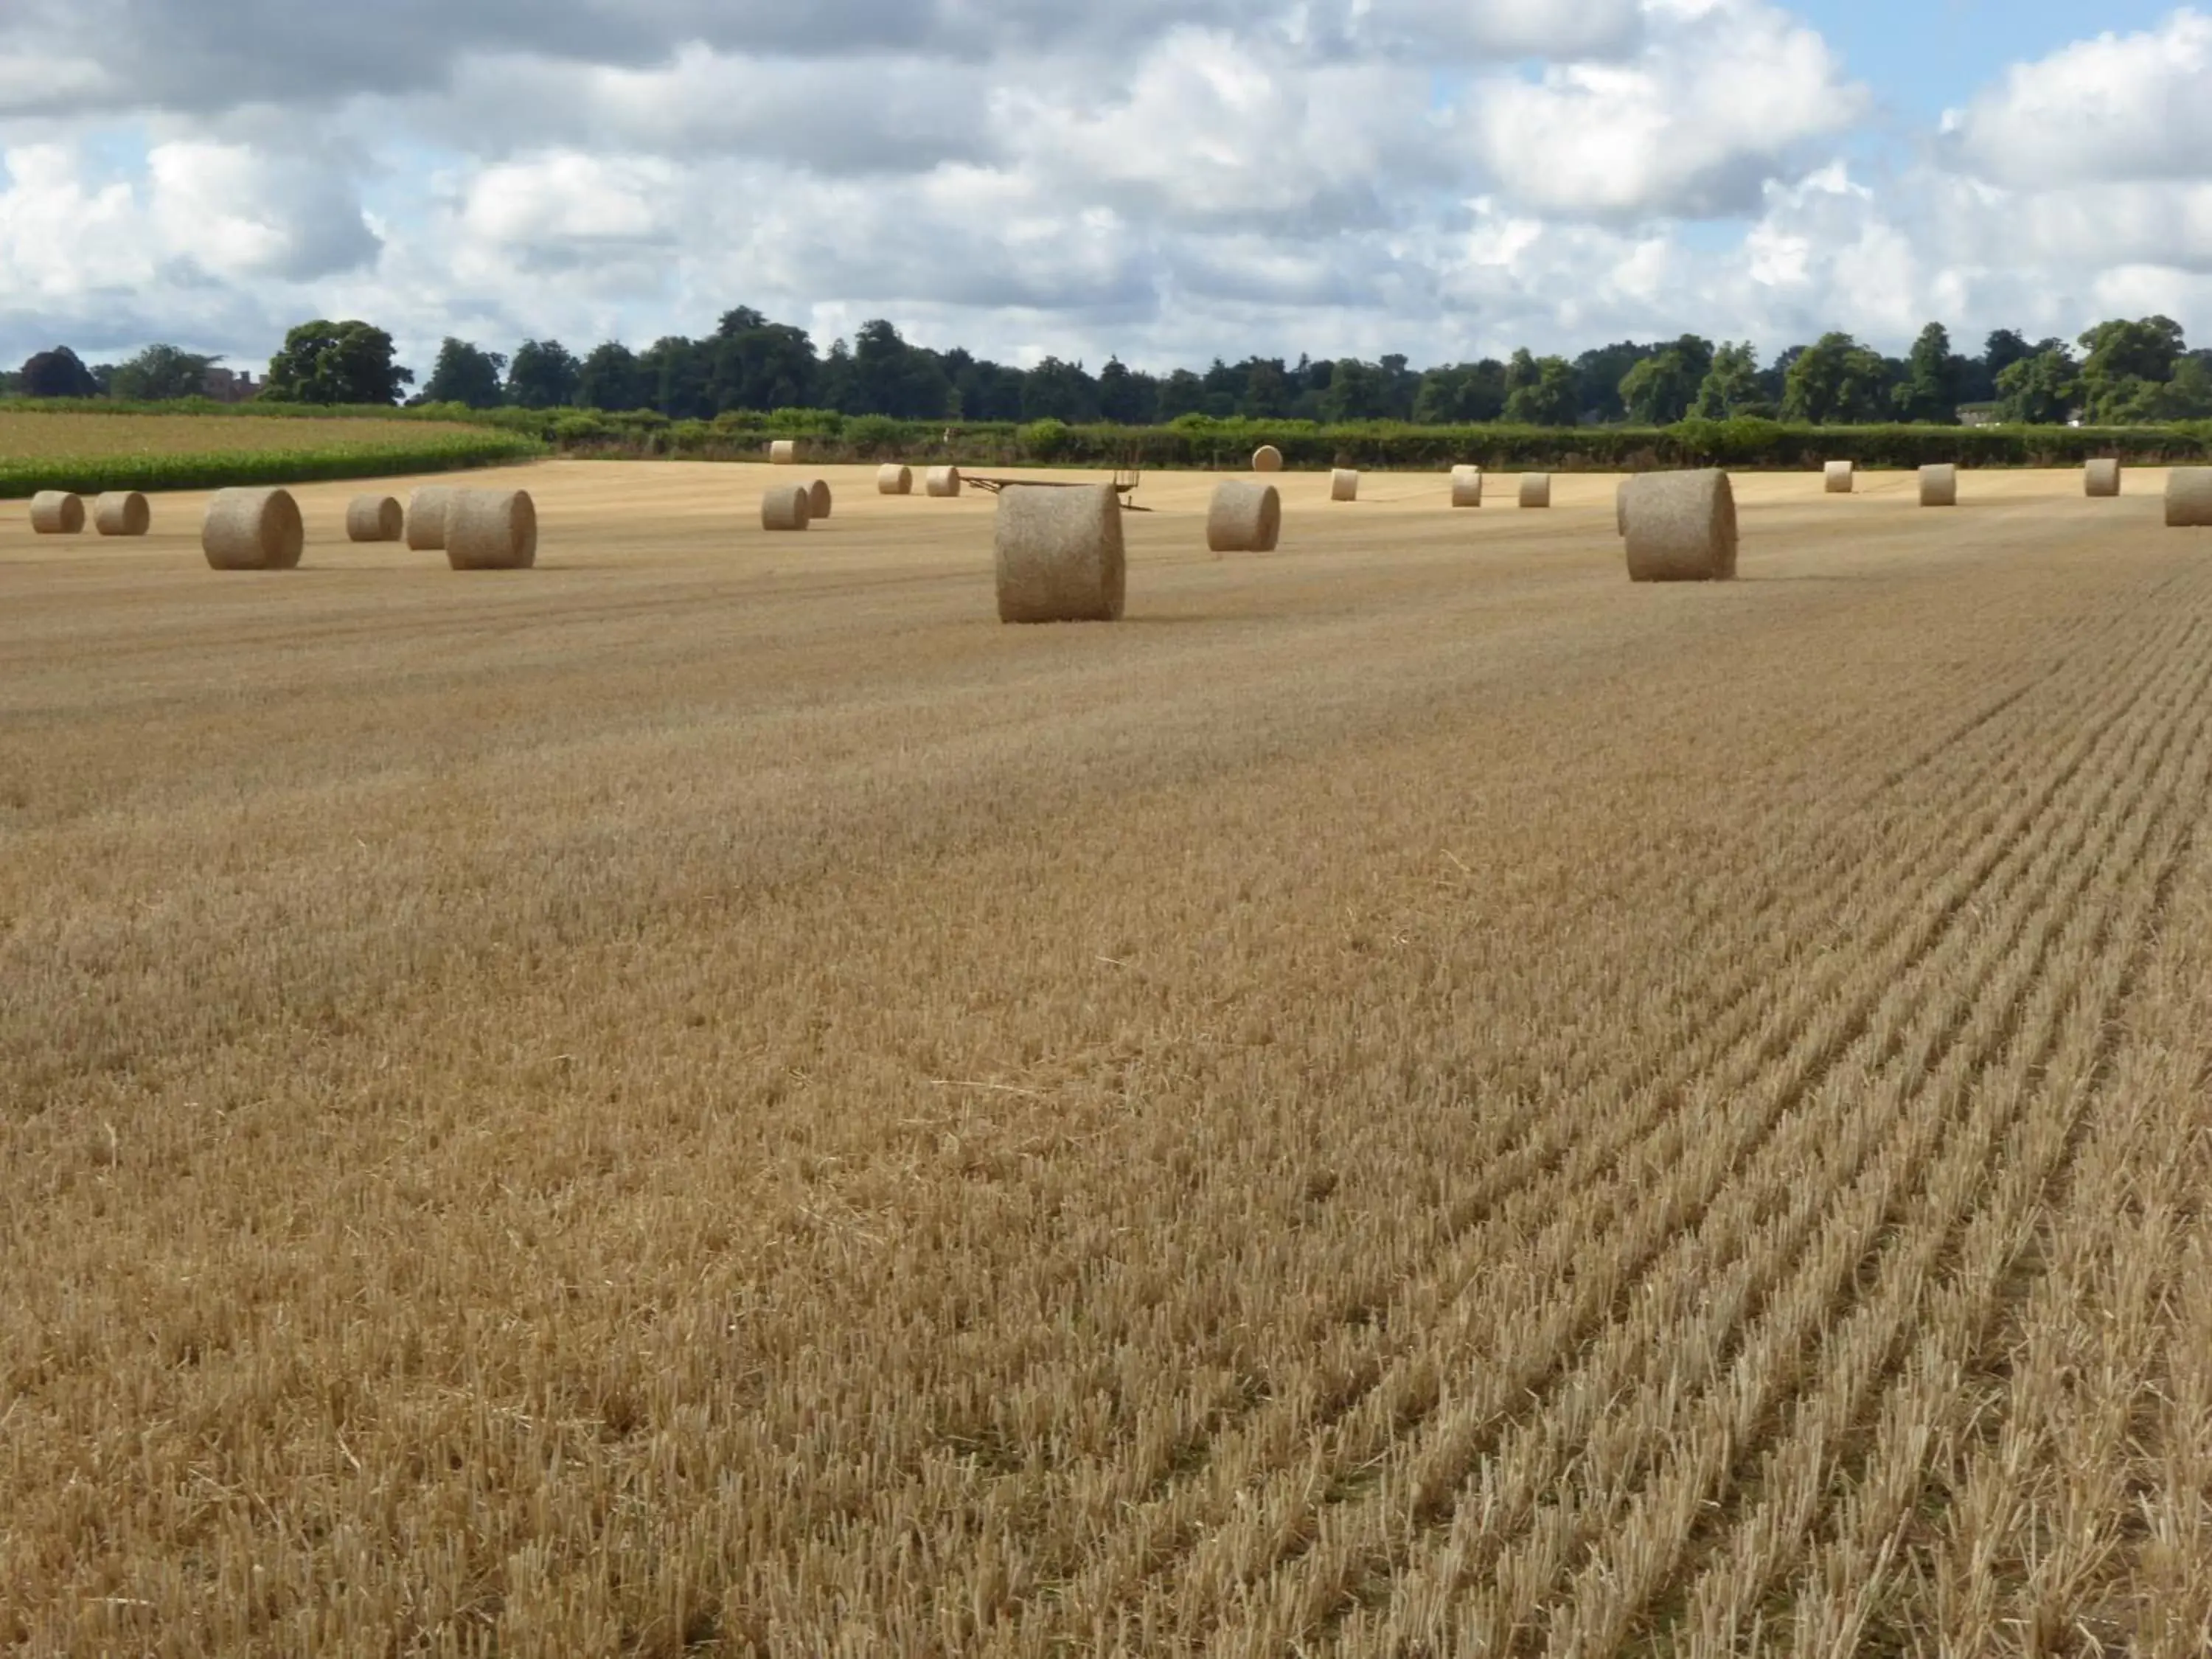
column 1410, row 1097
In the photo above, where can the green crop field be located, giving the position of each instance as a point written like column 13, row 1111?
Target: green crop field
column 83, row 451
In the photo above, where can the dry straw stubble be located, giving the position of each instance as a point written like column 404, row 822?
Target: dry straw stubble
column 122, row 512
column 1939, row 485
column 1344, row 485
column 1059, row 555
column 57, row 512
column 410, row 1226
column 1842, row 477
column 252, row 530
column 786, row 507
column 1467, row 486
column 427, row 508
column 894, row 480
column 2100, row 479
column 375, row 518
column 2189, row 498
column 491, row 529
column 1681, row 527
column 1244, row 518
column 1535, row 490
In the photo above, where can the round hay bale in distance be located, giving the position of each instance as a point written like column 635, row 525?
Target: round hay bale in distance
column 426, row 517
column 57, row 512
column 783, row 452
column 1842, row 477
column 894, row 480
column 1059, row 554
column 122, row 512
column 1467, row 486
column 786, row 507
column 1267, row 458
column 818, row 499
column 1243, row 517
column 1535, row 490
column 942, row 482
column 375, row 518
column 1344, row 485
column 2189, row 498
column 491, row 529
column 1681, row 527
column 252, row 530
column 1939, row 485
column 2101, row 477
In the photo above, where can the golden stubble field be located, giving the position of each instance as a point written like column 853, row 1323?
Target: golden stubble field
column 1410, row 1098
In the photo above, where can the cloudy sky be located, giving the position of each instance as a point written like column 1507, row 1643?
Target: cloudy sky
column 1169, row 179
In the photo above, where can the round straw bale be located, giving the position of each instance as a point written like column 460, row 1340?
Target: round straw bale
column 786, row 507
column 818, row 499
column 941, row 481
column 1244, row 518
column 1681, row 528
column 123, row 512
column 374, row 518
column 1467, row 486
column 1344, row 485
column 2101, row 477
column 894, row 480
column 1267, row 458
column 426, row 517
column 783, row 452
column 1842, row 477
column 1939, row 485
column 2189, row 498
column 252, row 530
column 491, row 529
column 1535, row 490
column 1059, row 554
column 1620, row 506
column 57, row 512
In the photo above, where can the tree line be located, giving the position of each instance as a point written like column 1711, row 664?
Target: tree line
column 2120, row 373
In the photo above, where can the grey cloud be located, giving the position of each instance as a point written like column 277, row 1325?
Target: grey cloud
column 207, row 56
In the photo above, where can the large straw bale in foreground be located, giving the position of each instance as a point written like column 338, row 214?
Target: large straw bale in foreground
column 122, row 512
column 2101, row 478
column 1535, row 490
column 57, row 512
column 1939, row 485
column 426, row 517
column 786, row 507
column 783, row 452
column 1681, row 528
column 1244, row 518
column 375, row 518
column 894, row 480
column 2189, row 498
column 1620, row 506
column 252, row 530
column 1344, row 485
column 1267, row 458
column 1842, row 477
column 1059, row 554
column 941, row 481
column 1467, row 486
column 491, row 529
